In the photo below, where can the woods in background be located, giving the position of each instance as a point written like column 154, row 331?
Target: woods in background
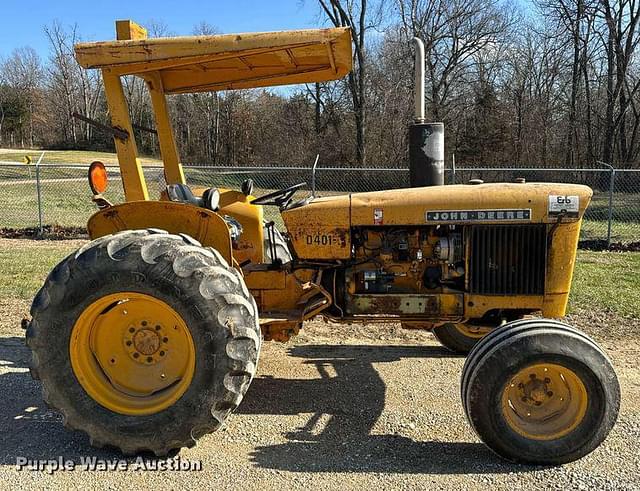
column 553, row 83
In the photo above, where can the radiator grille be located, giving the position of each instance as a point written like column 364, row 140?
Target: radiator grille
column 508, row 259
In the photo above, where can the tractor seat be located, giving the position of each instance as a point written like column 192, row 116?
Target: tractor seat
column 181, row 192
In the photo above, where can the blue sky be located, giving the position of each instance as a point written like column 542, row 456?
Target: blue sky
column 22, row 21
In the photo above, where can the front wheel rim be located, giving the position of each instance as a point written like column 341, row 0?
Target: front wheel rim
column 544, row 401
column 132, row 353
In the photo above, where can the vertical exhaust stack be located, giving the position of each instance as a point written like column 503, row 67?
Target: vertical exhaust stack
column 426, row 140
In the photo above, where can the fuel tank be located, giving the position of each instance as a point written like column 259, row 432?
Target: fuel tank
column 321, row 229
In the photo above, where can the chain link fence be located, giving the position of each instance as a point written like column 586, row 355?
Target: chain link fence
column 36, row 196
column 614, row 213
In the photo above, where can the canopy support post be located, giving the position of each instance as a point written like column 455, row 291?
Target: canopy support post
column 173, row 172
column 133, row 181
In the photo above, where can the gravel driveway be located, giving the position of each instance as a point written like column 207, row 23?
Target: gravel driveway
column 341, row 407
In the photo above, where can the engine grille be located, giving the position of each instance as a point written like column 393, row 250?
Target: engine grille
column 508, row 259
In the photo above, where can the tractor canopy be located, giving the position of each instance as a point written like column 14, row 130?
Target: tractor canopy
column 223, row 62
column 175, row 65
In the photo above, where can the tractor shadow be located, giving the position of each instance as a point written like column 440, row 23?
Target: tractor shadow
column 345, row 407
column 28, row 428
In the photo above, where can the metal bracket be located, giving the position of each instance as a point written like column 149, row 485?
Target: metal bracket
column 118, row 133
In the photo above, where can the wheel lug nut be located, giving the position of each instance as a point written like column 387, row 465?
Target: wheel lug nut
column 149, row 359
column 129, row 343
column 547, row 380
column 136, row 355
column 158, row 328
column 550, row 394
column 538, row 403
column 144, row 323
column 520, row 385
column 162, row 353
column 131, row 329
column 165, row 340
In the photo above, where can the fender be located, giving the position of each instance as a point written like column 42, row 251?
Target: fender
column 204, row 225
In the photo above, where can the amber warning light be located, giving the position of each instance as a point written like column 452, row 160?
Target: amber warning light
column 97, row 177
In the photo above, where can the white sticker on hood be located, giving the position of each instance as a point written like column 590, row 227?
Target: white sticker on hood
column 564, row 205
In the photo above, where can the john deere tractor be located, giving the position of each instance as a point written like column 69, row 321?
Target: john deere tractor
column 148, row 337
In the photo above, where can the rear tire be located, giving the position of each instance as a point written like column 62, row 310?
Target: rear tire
column 539, row 391
column 194, row 287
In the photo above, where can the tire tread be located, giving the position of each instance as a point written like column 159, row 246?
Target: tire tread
column 201, row 263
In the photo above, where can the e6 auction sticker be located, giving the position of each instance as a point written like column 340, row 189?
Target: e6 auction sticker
column 564, row 205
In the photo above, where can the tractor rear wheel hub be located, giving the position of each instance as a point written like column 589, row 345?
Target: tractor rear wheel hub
column 146, row 341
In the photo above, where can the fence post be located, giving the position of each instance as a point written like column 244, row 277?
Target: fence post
column 453, row 168
column 39, row 191
column 612, row 181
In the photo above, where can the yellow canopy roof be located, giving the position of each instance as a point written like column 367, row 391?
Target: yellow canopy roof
column 229, row 61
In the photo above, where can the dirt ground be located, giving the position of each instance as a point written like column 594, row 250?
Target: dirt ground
column 338, row 407
column 341, row 407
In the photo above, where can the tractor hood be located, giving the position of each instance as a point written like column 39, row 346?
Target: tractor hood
column 535, row 203
column 324, row 224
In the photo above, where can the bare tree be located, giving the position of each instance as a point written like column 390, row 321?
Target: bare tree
column 62, row 78
column 22, row 71
column 561, row 88
column 571, row 24
column 455, row 32
column 361, row 17
column 622, row 37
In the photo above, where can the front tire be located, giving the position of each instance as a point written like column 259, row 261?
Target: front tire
column 460, row 338
column 144, row 340
column 539, row 391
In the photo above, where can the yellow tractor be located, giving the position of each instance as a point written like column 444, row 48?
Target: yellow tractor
column 148, row 337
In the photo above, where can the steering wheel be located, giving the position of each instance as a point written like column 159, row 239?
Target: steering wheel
column 280, row 198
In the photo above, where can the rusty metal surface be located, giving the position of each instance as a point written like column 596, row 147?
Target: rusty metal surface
column 412, row 305
column 321, row 229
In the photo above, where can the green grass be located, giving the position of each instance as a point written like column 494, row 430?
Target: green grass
column 621, row 231
column 606, row 282
column 66, row 156
column 68, row 203
column 626, row 206
column 25, row 266
column 64, row 203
